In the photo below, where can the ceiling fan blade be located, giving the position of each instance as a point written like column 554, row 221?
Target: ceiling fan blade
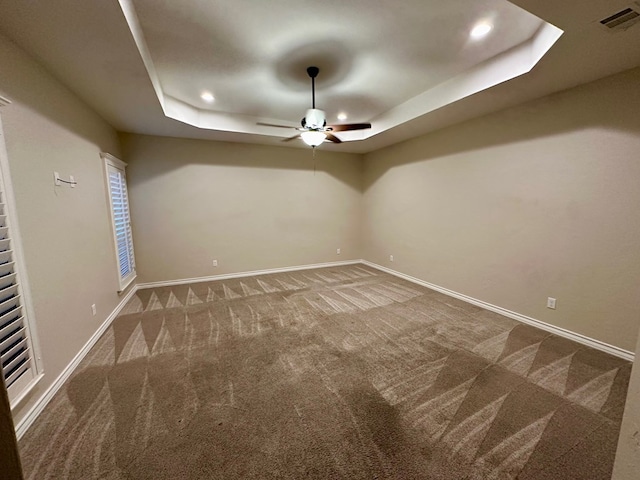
column 332, row 138
column 349, row 126
column 274, row 125
column 291, row 138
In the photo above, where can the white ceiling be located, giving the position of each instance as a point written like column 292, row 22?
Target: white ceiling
column 254, row 56
column 407, row 67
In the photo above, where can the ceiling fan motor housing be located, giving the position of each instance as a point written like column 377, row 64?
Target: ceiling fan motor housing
column 314, row 119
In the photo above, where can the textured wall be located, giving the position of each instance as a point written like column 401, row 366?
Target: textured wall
column 250, row 207
column 536, row 201
column 67, row 240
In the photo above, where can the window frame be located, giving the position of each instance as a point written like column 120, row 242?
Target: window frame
column 111, row 162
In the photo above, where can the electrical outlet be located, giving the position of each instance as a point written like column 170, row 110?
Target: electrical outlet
column 73, row 181
column 391, row 258
column 215, row 263
column 551, row 303
column 56, row 179
column 93, row 309
column 338, row 251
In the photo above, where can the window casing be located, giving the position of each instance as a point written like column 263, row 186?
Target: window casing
column 120, row 219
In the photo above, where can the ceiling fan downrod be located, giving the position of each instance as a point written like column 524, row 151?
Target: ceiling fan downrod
column 313, row 73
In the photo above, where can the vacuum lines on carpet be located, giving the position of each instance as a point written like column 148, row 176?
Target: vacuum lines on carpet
column 332, row 373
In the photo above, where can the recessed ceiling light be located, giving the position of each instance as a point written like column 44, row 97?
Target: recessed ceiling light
column 481, row 30
column 342, row 116
column 207, row 97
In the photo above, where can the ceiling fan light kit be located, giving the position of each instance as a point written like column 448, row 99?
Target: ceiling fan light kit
column 313, row 138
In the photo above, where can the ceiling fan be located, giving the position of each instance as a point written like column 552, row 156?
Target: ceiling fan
column 314, row 128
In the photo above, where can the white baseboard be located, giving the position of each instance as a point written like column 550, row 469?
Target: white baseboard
column 561, row 332
column 227, row 276
column 36, row 409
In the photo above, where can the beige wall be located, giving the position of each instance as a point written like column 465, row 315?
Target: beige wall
column 66, row 234
column 250, row 207
column 536, row 201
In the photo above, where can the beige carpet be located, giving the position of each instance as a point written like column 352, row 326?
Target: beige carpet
column 337, row 373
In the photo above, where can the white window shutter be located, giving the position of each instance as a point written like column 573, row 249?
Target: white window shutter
column 16, row 351
column 20, row 369
column 120, row 219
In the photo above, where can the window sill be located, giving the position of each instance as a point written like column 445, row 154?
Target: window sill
column 126, row 285
column 26, row 391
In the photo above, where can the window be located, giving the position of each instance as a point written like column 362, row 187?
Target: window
column 20, row 364
column 120, row 219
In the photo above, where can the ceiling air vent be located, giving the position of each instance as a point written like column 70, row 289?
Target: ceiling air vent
column 622, row 19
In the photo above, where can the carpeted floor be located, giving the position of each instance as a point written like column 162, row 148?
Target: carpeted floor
column 336, row 373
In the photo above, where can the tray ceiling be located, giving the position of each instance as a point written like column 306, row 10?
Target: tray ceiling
column 407, row 67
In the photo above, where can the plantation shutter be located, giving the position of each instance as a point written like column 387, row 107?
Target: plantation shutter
column 19, row 364
column 15, row 347
column 119, row 200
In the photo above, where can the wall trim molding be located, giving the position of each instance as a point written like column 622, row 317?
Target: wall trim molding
column 227, row 276
column 561, row 332
column 43, row 401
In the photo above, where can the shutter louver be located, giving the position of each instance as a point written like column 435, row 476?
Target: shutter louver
column 18, row 367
